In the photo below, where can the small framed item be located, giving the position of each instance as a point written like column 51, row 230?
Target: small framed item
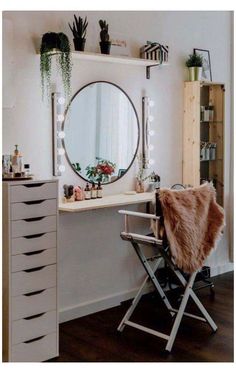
column 121, row 172
column 206, row 63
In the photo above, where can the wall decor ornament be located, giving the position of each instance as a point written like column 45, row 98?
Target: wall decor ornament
column 55, row 44
column 154, row 51
column 79, row 31
column 206, row 63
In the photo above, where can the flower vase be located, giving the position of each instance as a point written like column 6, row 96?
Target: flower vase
column 139, row 186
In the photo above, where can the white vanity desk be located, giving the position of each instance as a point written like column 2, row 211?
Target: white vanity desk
column 107, row 201
column 93, row 256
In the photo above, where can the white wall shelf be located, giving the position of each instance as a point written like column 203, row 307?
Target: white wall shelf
column 107, row 201
column 109, row 58
column 98, row 57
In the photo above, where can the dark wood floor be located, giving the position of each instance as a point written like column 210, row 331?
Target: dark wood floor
column 94, row 338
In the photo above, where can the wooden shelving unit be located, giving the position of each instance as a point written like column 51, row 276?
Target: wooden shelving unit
column 195, row 170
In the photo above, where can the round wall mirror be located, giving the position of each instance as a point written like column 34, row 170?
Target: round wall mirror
column 101, row 132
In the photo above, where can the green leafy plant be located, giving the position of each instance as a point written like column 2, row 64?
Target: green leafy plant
column 55, row 44
column 194, row 60
column 79, row 28
column 104, row 31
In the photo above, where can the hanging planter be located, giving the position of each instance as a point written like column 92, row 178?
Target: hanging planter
column 55, row 44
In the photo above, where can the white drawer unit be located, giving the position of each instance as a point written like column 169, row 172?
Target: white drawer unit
column 30, row 301
column 33, row 242
column 33, row 209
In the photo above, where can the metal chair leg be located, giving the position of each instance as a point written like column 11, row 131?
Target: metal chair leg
column 180, row 313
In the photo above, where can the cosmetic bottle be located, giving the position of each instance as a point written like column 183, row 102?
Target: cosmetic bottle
column 27, row 170
column 17, row 161
column 93, row 191
column 87, row 192
column 99, row 190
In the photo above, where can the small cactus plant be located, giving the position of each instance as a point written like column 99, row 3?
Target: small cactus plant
column 104, row 31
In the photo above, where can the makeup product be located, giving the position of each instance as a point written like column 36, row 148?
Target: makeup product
column 6, row 164
column 87, row 192
column 27, row 170
column 93, row 191
column 99, row 190
column 17, row 161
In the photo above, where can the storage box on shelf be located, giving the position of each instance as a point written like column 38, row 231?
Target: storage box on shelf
column 30, row 311
column 204, row 124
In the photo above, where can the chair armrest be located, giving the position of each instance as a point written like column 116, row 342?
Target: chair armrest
column 139, row 214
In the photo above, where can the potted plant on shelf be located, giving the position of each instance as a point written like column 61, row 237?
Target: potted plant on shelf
column 105, row 44
column 194, row 64
column 79, row 31
column 55, row 44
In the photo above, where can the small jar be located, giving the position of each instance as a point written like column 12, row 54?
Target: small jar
column 211, row 113
column 207, row 152
column 27, row 169
column 206, row 114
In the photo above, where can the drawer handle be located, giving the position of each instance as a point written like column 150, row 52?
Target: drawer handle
column 34, row 236
column 33, row 185
column 34, row 219
column 34, row 269
column 34, row 252
column 34, row 339
column 34, row 316
column 34, row 293
column 34, row 202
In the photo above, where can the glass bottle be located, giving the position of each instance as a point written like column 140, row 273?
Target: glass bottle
column 99, row 190
column 93, row 191
column 87, row 192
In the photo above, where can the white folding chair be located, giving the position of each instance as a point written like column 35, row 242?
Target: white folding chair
column 161, row 251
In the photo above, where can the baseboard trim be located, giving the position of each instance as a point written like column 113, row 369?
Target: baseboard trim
column 87, row 308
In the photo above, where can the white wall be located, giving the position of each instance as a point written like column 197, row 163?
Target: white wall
column 94, row 263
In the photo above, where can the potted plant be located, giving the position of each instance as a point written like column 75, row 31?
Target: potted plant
column 79, row 31
column 105, row 44
column 194, row 64
column 55, row 44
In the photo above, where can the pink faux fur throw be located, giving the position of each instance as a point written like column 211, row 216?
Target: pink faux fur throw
column 193, row 223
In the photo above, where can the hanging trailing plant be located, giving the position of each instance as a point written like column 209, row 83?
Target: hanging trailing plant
column 55, row 44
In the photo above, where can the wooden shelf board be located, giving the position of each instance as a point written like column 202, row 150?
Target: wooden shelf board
column 126, row 60
column 105, row 202
column 98, row 57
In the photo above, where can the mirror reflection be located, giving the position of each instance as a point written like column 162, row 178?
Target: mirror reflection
column 101, row 132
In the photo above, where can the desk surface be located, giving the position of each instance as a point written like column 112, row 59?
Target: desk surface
column 107, row 201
